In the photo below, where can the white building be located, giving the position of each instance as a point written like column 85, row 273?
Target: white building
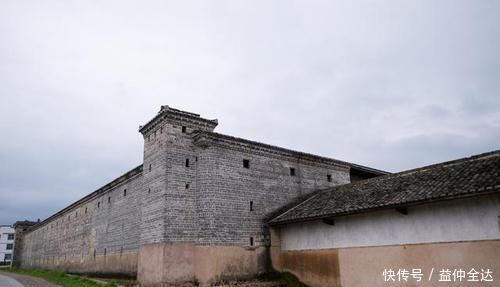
column 425, row 222
column 6, row 243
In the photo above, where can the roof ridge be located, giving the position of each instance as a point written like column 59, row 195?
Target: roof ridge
column 465, row 177
column 450, row 162
column 407, row 172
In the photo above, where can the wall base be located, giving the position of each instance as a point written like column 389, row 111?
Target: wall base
column 174, row 263
column 364, row 266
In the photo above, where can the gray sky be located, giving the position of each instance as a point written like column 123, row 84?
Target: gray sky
column 388, row 84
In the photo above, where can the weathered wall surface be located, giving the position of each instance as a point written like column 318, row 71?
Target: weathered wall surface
column 364, row 266
column 458, row 220
column 186, row 215
column 462, row 233
column 226, row 189
column 200, row 196
column 100, row 234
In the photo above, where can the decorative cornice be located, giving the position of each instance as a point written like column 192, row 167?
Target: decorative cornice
column 167, row 112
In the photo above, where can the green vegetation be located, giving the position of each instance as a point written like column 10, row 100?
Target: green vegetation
column 61, row 278
column 284, row 279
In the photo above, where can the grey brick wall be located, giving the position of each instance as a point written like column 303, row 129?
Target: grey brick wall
column 207, row 202
column 226, row 188
column 108, row 220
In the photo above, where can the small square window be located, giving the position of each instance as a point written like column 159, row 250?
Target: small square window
column 183, row 129
column 329, row 177
column 246, row 163
column 8, row 256
column 10, row 236
column 9, row 246
column 292, row 171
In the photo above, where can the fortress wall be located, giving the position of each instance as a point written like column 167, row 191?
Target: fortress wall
column 235, row 237
column 98, row 234
column 182, row 222
column 168, row 231
column 226, row 188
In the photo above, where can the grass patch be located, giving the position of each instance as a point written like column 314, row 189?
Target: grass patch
column 284, row 279
column 61, row 278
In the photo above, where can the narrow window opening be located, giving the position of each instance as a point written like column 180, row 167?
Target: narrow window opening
column 292, row 171
column 329, row 177
column 161, row 130
column 104, row 251
column 184, row 129
column 149, row 190
column 246, row 163
column 251, row 205
column 76, row 214
column 94, row 253
column 149, row 167
column 187, row 162
column 195, row 158
column 251, row 240
column 187, row 185
column 85, row 210
column 124, row 192
column 121, row 250
column 98, row 204
column 499, row 222
column 109, row 199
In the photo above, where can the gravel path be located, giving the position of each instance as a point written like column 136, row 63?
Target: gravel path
column 25, row 281
column 9, row 282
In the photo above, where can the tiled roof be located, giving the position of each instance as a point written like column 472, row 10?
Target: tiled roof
column 465, row 177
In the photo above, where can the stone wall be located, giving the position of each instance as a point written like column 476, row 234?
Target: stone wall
column 201, row 194
column 191, row 198
column 227, row 188
column 98, row 234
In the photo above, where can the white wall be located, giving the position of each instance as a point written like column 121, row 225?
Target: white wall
column 4, row 231
column 456, row 220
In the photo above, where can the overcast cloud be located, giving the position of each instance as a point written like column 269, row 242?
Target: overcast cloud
column 388, row 84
